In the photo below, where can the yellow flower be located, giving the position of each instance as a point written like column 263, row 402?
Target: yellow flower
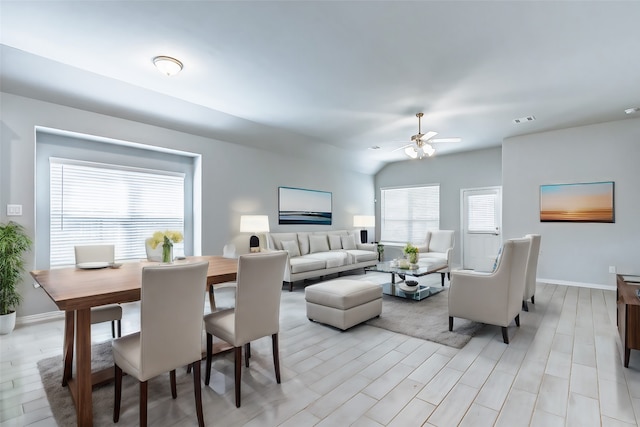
column 158, row 238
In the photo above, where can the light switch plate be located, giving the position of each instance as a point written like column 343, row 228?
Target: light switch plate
column 14, row 210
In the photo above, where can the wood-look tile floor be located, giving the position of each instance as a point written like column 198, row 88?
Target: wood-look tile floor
column 562, row 367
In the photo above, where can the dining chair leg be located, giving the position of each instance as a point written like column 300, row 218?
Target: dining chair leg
column 143, row 403
column 517, row 319
column 238, row 366
column 247, row 354
column 533, row 299
column 197, row 392
column 118, row 393
column 207, row 374
column 525, row 306
column 276, row 356
column 172, row 378
column 113, row 329
column 442, row 278
column 119, row 328
column 450, row 323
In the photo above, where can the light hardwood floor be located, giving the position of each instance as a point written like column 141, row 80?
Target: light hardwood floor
column 561, row 368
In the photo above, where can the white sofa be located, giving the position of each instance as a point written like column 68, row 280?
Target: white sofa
column 316, row 254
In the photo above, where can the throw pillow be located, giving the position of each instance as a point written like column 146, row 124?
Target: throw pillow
column 318, row 243
column 349, row 242
column 497, row 261
column 291, row 246
column 335, row 242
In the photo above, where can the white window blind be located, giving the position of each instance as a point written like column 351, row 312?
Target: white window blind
column 408, row 212
column 481, row 214
column 107, row 204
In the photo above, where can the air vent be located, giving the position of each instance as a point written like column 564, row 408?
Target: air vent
column 524, row 119
column 375, row 147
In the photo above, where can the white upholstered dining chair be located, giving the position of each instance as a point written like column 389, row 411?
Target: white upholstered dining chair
column 171, row 306
column 256, row 313
column 532, row 268
column 106, row 313
column 494, row 298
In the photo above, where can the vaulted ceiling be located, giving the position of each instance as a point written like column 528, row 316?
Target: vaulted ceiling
column 331, row 79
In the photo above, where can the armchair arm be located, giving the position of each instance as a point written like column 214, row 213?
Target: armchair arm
column 422, row 248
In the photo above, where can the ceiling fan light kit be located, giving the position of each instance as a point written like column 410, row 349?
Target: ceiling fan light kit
column 420, row 143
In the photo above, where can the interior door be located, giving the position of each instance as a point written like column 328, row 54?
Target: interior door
column 481, row 227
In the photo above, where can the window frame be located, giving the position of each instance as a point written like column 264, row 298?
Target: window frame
column 413, row 234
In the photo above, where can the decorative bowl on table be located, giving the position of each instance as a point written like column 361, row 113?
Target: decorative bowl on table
column 411, row 283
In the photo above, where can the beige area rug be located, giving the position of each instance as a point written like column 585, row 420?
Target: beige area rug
column 64, row 411
column 427, row 319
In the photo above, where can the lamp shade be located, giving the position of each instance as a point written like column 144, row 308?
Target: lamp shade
column 364, row 221
column 254, row 223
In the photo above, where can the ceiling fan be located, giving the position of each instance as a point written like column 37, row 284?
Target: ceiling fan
column 420, row 145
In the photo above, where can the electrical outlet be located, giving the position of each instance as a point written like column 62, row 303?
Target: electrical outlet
column 612, row 269
column 14, row 210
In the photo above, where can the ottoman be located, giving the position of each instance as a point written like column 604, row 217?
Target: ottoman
column 343, row 303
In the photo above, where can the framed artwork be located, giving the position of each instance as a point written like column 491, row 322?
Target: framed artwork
column 300, row 206
column 581, row 202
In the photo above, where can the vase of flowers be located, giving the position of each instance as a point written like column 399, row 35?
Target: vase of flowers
column 160, row 245
column 411, row 252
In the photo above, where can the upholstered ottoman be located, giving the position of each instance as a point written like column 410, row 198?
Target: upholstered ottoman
column 343, row 303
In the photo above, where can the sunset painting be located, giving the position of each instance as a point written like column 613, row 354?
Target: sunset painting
column 591, row 202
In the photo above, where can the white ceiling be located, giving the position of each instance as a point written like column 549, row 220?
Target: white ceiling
column 330, row 79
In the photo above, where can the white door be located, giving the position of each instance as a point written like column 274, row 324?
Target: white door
column 481, row 227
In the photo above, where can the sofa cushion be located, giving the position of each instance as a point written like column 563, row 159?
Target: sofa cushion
column 278, row 238
column 318, row 243
column 304, row 263
column 357, row 255
column 331, row 259
column 303, row 243
column 335, row 242
column 348, row 242
column 291, row 246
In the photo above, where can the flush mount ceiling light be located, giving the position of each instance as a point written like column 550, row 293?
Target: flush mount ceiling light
column 632, row 110
column 167, row 65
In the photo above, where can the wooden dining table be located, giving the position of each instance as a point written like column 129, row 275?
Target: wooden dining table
column 76, row 291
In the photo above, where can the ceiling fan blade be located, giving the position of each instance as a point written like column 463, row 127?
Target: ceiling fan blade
column 402, row 148
column 427, row 136
column 446, row 140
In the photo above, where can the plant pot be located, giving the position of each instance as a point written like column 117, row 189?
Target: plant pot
column 154, row 254
column 413, row 258
column 7, row 323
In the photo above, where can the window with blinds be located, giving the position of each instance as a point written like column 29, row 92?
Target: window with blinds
column 481, row 213
column 95, row 203
column 408, row 212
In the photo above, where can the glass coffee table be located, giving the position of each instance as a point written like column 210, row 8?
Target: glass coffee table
column 400, row 288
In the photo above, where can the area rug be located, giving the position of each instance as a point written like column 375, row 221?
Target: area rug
column 101, row 357
column 427, row 319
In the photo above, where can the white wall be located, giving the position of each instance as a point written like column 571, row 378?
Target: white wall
column 453, row 172
column 576, row 253
column 235, row 179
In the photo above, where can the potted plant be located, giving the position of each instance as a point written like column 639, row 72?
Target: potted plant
column 14, row 242
column 411, row 252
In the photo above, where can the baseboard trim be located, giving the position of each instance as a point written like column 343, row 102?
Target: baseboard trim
column 40, row 317
column 577, row 284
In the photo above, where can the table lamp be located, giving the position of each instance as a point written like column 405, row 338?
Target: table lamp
column 364, row 221
column 254, row 224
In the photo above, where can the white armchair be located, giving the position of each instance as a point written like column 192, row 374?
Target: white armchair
column 493, row 298
column 532, row 267
column 438, row 245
